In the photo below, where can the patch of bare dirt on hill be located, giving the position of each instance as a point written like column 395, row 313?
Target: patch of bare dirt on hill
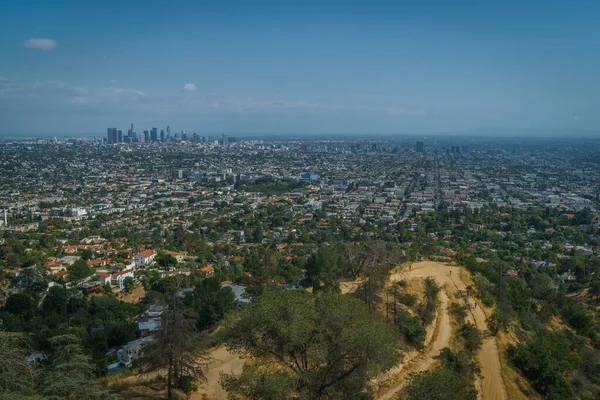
column 223, row 361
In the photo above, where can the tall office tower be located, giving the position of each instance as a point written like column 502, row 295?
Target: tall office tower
column 162, row 135
column 168, row 130
column 183, row 136
column 154, row 135
column 223, row 138
column 119, row 136
column 111, row 135
column 420, row 147
column 195, row 138
column 144, row 139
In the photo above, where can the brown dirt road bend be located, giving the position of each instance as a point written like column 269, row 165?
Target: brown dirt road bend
column 491, row 385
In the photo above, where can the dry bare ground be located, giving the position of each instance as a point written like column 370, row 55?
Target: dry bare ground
column 491, row 385
column 223, row 361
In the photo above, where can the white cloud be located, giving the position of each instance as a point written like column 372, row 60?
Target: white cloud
column 130, row 91
column 189, row 87
column 44, row 44
column 114, row 81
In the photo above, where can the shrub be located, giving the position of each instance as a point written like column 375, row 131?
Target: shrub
column 407, row 299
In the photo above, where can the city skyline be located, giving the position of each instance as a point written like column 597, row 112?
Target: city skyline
column 314, row 67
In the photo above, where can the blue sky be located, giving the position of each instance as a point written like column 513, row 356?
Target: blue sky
column 298, row 66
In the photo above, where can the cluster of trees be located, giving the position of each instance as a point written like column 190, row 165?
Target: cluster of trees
column 371, row 261
column 456, row 375
column 308, row 346
column 559, row 366
column 48, row 313
column 454, row 379
column 67, row 372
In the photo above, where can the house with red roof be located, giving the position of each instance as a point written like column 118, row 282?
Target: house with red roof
column 118, row 278
column 208, row 271
column 144, row 258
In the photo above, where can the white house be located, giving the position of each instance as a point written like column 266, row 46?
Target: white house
column 144, row 258
column 132, row 351
column 105, row 277
column 118, row 278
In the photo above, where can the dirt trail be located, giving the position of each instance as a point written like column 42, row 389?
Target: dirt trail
column 441, row 340
column 224, row 361
column 491, row 385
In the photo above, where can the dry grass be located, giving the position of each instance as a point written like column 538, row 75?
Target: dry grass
column 134, row 297
column 132, row 386
column 455, row 342
column 517, row 387
column 411, row 358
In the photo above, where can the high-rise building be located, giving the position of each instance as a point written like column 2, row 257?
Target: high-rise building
column 154, row 135
column 162, row 135
column 144, row 138
column 195, row 138
column 420, row 147
column 183, row 136
column 168, row 130
column 111, row 135
column 119, row 136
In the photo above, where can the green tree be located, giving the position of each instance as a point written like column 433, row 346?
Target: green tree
column 471, row 336
column 56, row 300
column 410, row 328
column 308, row 346
column 452, row 381
column 322, row 269
column 20, row 304
column 595, row 287
column 212, row 302
column 71, row 374
column 17, row 376
column 165, row 261
column 177, row 349
column 79, row 270
column 441, row 384
column 128, row 284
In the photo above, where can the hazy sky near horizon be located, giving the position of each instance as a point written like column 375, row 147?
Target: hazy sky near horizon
column 298, row 66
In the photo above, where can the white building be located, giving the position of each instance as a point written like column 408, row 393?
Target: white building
column 118, row 278
column 132, row 351
column 144, row 258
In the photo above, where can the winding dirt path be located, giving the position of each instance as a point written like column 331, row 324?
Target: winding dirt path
column 491, row 385
column 441, row 340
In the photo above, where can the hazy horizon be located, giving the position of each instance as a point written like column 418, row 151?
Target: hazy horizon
column 310, row 67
